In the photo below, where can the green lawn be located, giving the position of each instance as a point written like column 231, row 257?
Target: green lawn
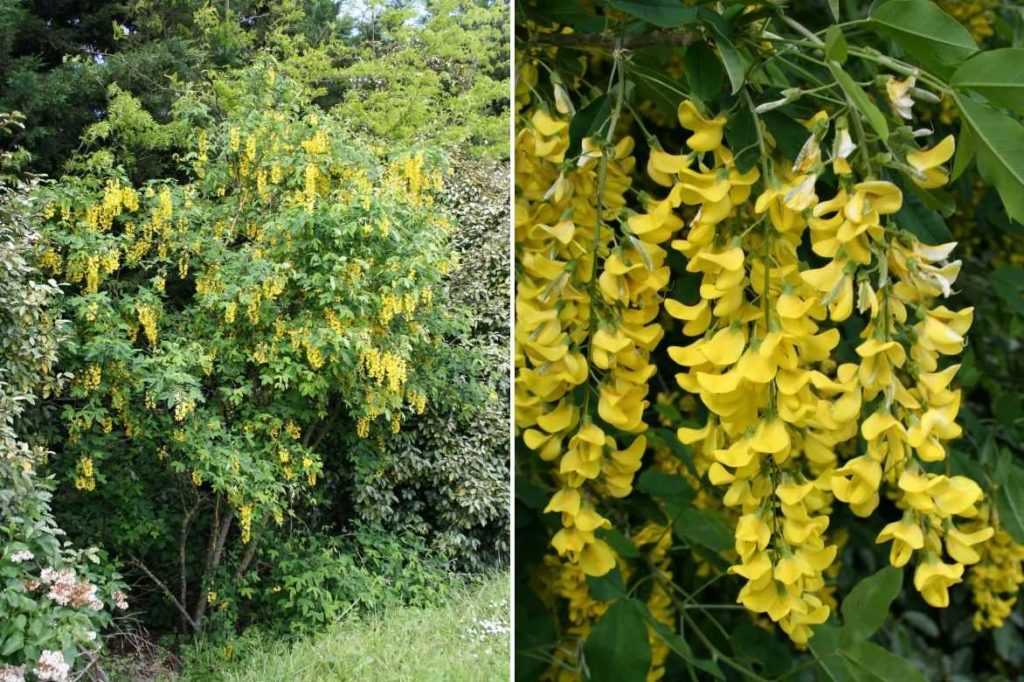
column 466, row 640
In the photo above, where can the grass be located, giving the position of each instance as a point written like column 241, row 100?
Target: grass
column 465, row 640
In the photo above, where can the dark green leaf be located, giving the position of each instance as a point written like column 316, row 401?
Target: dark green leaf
column 622, row 545
column 866, row 607
column 734, row 61
column 935, row 40
column 964, row 152
column 617, row 649
column 659, row 484
column 705, row 528
column 569, row 13
column 835, row 44
column 663, row 13
column 880, row 664
column 764, row 647
column 703, row 71
column 999, row 141
column 587, row 121
column 922, row 623
column 789, row 134
column 683, row 650
column 530, row 494
column 607, row 587
column 860, row 100
column 996, row 75
column 741, row 134
column 1008, row 284
column 825, row 645
column 1010, row 501
column 921, row 221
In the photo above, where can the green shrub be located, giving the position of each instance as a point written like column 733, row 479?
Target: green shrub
column 445, row 476
column 54, row 600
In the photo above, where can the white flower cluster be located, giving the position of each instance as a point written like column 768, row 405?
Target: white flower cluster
column 10, row 673
column 65, row 589
column 51, row 667
column 18, row 557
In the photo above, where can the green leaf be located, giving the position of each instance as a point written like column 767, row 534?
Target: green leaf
column 567, row 12
column 655, row 83
column 1010, row 501
column 965, row 149
column 935, row 40
column 922, row 623
column 825, row 645
column 996, row 75
column 703, row 71
column 880, row 664
column 617, row 649
column 741, row 134
column 999, row 142
column 659, row 484
column 866, row 607
column 704, row 528
column 860, row 100
column 15, row 642
column 622, row 545
column 683, row 650
column 835, row 44
column 663, row 13
column 587, row 121
column 735, row 63
column 607, row 587
column 921, row 221
column 762, row 646
column 1008, row 283
column 833, row 5
column 786, row 129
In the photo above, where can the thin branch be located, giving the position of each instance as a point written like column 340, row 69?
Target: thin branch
column 182, row 550
column 250, row 554
column 170, row 595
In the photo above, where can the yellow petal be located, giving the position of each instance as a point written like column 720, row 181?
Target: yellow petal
column 771, row 436
column 924, row 159
column 597, row 558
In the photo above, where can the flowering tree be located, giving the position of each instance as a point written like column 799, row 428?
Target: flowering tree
column 737, row 335
column 231, row 325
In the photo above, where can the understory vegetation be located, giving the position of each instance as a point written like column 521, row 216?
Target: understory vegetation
column 254, row 327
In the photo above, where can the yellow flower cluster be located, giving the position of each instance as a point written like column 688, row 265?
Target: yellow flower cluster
column 385, row 367
column 585, row 305
column 996, row 578
column 780, row 406
column 85, row 479
column 977, row 15
column 245, row 522
column 92, row 377
column 363, row 427
column 318, row 144
column 147, row 318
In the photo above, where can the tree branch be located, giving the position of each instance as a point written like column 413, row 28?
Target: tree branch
column 170, row 595
column 182, row 547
